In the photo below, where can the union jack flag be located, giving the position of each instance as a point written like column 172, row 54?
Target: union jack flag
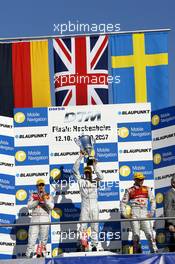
column 81, row 70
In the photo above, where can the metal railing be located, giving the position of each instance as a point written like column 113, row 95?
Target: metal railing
column 79, row 35
column 89, row 222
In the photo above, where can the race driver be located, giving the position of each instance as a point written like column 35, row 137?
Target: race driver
column 89, row 202
column 137, row 197
column 41, row 204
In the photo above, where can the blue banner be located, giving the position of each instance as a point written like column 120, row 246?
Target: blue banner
column 134, row 132
column 31, row 155
column 163, row 118
column 137, row 259
column 106, row 152
column 24, row 117
column 6, row 145
column 164, row 157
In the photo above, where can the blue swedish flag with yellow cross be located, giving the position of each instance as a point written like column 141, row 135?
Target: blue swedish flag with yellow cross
column 141, row 61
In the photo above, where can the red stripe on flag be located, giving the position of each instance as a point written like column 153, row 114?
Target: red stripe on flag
column 93, row 101
column 68, row 99
column 99, row 51
column 21, row 70
column 63, row 49
column 81, row 70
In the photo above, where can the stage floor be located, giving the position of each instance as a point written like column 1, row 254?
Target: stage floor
column 99, row 258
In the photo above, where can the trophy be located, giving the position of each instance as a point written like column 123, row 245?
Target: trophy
column 85, row 143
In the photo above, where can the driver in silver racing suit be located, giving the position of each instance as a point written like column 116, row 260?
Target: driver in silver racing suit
column 89, row 201
column 137, row 196
column 41, row 204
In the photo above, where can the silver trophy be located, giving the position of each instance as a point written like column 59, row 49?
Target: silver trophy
column 86, row 142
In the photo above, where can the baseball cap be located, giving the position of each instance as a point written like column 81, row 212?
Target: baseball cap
column 139, row 175
column 40, row 181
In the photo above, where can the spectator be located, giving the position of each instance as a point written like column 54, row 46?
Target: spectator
column 169, row 209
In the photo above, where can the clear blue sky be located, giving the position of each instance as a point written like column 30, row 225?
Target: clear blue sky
column 20, row 18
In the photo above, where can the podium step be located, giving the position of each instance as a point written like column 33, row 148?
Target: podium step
column 82, row 254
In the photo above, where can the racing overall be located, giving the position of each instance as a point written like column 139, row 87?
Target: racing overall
column 89, row 201
column 40, row 213
column 138, row 197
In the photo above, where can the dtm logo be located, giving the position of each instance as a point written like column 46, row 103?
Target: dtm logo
column 123, row 132
column 57, row 213
column 155, row 120
column 160, row 238
column 125, row 171
column 21, row 195
column 157, row 158
column 82, row 117
column 55, row 174
column 19, row 117
column 159, row 198
column 22, row 234
column 56, row 252
column 20, row 156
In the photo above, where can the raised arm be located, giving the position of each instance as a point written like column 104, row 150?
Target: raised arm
column 76, row 167
column 97, row 171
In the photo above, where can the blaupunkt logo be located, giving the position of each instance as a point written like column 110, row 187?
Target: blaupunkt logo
column 159, row 198
column 20, row 156
column 134, row 112
column 127, row 151
column 157, row 158
column 19, row 117
column 57, row 213
column 125, row 171
column 22, row 234
column 55, row 174
column 161, row 238
column 155, row 120
column 123, row 132
column 21, row 195
column 56, row 252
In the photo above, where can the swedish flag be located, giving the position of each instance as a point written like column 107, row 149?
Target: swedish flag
column 141, row 61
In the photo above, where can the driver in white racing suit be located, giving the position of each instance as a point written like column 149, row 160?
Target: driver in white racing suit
column 41, row 204
column 89, row 201
column 137, row 197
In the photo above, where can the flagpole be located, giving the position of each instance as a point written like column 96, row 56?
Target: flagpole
column 84, row 34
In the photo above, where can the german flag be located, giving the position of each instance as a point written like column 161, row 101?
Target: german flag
column 24, row 76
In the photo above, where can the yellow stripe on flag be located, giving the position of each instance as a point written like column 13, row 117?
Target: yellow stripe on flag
column 156, row 59
column 139, row 60
column 40, row 73
column 122, row 62
column 140, row 69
